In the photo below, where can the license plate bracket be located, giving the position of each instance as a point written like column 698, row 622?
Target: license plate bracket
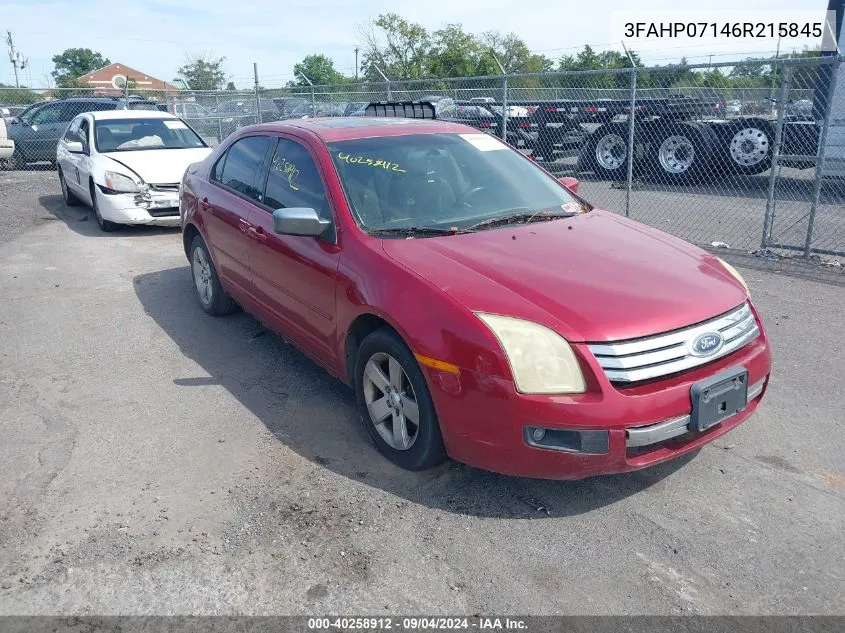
column 718, row 398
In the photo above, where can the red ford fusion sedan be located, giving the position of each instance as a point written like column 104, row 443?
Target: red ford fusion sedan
column 479, row 308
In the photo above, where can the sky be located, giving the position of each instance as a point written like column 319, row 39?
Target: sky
column 155, row 36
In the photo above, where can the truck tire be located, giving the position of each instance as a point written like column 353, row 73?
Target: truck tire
column 750, row 144
column 680, row 153
column 605, row 152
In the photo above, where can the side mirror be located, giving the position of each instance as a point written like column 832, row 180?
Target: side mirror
column 75, row 147
column 570, row 183
column 298, row 221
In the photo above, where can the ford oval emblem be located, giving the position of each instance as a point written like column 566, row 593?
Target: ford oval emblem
column 707, row 344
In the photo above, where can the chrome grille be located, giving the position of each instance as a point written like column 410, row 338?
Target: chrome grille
column 654, row 356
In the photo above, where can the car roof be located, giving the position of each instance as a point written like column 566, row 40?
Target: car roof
column 108, row 115
column 331, row 129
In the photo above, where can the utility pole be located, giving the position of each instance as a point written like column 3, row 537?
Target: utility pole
column 356, row 63
column 19, row 62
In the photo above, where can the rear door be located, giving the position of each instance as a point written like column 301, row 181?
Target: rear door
column 295, row 276
column 228, row 198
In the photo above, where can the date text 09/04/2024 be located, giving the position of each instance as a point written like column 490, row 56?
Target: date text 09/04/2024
column 415, row 623
column 724, row 29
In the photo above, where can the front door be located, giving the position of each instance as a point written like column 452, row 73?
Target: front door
column 41, row 136
column 295, row 276
column 228, row 200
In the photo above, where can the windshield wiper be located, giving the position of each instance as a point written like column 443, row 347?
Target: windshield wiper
column 417, row 230
column 523, row 217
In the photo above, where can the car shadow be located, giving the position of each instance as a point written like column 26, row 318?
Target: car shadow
column 81, row 220
column 314, row 414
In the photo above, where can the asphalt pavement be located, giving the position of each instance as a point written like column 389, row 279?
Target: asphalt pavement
column 158, row 460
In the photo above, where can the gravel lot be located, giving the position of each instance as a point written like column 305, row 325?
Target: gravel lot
column 156, row 460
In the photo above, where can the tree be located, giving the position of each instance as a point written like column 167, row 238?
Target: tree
column 319, row 69
column 203, row 72
column 398, row 47
column 231, row 86
column 456, row 53
column 17, row 96
column 75, row 62
column 513, row 54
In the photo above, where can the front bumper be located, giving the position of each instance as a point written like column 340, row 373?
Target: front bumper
column 151, row 208
column 484, row 419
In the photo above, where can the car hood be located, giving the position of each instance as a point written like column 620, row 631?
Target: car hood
column 159, row 166
column 592, row 277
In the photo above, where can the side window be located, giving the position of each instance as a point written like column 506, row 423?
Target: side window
column 47, row 114
column 83, row 133
column 72, row 133
column 294, row 181
column 244, row 160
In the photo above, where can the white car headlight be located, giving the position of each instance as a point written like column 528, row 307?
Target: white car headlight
column 121, row 183
column 734, row 272
column 542, row 362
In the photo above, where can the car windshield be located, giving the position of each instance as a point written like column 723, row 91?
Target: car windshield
column 127, row 135
column 445, row 181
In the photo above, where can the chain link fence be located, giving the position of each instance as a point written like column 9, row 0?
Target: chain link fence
column 745, row 157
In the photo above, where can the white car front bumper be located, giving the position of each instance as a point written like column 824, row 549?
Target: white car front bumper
column 7, row 148
column 150, row 207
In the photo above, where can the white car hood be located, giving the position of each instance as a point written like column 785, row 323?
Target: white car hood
column 159, row 166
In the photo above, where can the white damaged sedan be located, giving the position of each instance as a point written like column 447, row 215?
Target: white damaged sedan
column 127, row 165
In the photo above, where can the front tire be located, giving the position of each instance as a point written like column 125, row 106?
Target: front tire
column 68, row 196
column 395, row 404
column 210, row 293
column 105, row 225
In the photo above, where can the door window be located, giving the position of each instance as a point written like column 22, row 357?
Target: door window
column 72, row 133
column 46, row 115
column 242, row 164
column 294, row 181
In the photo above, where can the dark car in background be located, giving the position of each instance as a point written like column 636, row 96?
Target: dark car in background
column 231, row 115
column 36, row 131
column 287, row 105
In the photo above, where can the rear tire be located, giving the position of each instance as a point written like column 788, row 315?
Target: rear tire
column 213, row 299
column 605, row 152
column 106, row 226
column 389, row 399
column 67, row 195
column 680, row 153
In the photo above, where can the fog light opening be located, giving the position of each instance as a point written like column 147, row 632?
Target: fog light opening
column 568, row 440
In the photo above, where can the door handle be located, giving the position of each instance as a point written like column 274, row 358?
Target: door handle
column 244, row 226
column 258, row 234
column 205, row 204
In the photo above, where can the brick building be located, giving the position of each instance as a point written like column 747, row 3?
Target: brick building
column 109, row 80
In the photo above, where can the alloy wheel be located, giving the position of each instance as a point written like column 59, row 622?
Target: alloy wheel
column 391, row 401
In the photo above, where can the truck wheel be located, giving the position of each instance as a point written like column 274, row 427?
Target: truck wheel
column 680, row 153
column 606, row 152
column 750, row 146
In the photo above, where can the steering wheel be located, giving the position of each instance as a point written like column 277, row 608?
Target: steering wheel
column 470, row 194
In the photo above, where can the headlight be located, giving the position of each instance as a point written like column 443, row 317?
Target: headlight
column 120, row 183
column 734, row 272
column 541, row 360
